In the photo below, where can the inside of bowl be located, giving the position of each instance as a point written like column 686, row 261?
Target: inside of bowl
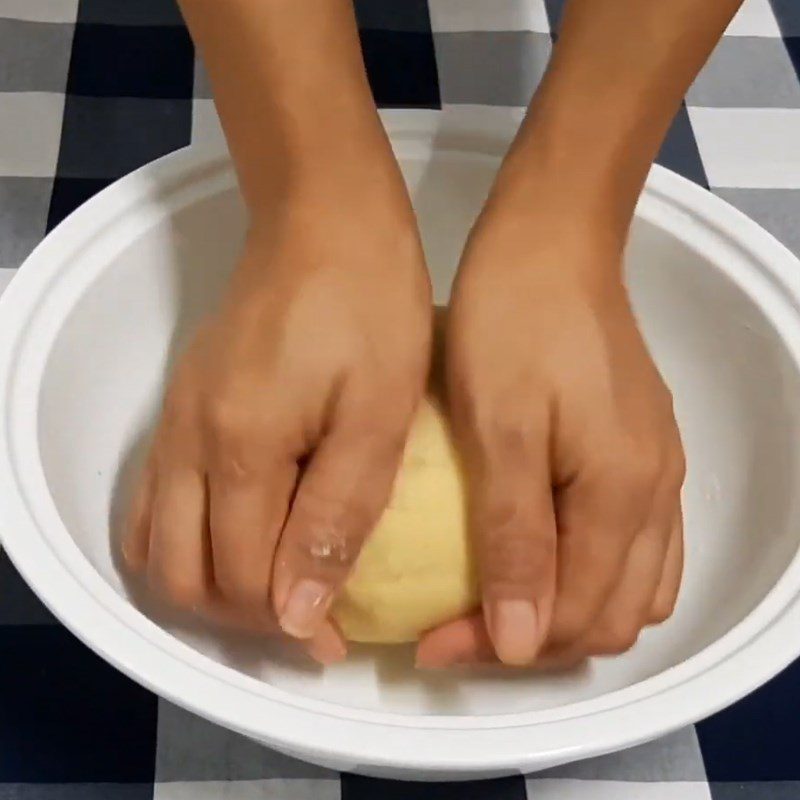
column 736, row 389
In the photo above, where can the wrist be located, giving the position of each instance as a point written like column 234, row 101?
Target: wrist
column 545, row 233
column 549, row 203
column 345, row 167
column 555, row 173
column 579, row 155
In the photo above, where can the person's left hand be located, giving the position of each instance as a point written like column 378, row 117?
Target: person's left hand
column 570, row 443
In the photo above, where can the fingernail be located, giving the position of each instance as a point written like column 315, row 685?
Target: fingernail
column 514, row 628
column 327, row 650
column 305, row 609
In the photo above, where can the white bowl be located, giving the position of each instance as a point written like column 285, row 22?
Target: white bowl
column 86, row 331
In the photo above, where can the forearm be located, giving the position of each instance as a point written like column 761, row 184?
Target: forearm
column 617, row 77
column 290, row 87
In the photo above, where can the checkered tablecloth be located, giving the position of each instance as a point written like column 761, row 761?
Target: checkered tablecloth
column 91, row 89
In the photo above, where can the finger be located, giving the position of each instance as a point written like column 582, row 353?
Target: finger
column 246, row 513
column 136, row 541
column 627, row 610
column 598, row 520
column 466, row 642
column 179, row 559
column 341, row 496
column 328, row 645
column 666, row 595
column 462, row 641
column 515, row 530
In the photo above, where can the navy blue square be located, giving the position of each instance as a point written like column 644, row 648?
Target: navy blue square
column 679, row 151
column 66, row 716
column 69, row 193
column 131, row 61
column 18, row 604
column 141, row 12
column 401, row 66
column 393, row 15
column 793, row 48
column 76, row 791
column 355, row 787
column 756, row 739
column 555, row 9
column 787, row 12
column 107, row 137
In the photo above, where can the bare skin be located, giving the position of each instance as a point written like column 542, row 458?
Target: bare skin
column 571, row 443
column 328, row 315
column 567, row 429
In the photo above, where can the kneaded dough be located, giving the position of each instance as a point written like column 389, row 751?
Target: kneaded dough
column 416, row 569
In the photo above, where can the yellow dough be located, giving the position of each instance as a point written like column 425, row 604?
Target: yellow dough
column 416, row 570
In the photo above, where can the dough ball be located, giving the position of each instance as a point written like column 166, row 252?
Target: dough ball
column 416, row 569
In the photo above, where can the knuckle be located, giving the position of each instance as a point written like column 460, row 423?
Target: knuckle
column 511, row 434
column 179, row 404
column 676, row 466
column 630, row 477
column 238, row 436
column 507, row 429
column 517, row 551
column 242, row 589
column 570, row 623
column 330, row 532
column 382, row 432
column 663, row 608
column 643, row 468
column 179, row 590
column 615, row 638
column 133, row 554
column 228, row 416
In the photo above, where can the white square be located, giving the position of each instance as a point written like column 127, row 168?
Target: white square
column 206, row 126
column 754, row 18
column 749, row 147
column 565, row 789
column 298, row 789
column 488, row 15
column 40, row 10
column 30, row 133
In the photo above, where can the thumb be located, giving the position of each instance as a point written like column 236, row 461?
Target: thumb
column 515, row 528
column 341, row 496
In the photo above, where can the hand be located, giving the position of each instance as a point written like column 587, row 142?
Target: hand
column 285, row 421
column 573, row 453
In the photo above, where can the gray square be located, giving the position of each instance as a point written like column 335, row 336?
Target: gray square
column 202, row 83
column 191, row 749
column 778, row 210
column 24, row 203
column 501, row 68
column 248, row 790
column 34, row 56
column 107, row 137
column 675, row 757
column 747, row 72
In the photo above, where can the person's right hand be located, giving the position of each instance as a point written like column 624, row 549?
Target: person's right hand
column 285, row 421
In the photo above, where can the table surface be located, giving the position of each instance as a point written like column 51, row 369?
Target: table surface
column 91, row 89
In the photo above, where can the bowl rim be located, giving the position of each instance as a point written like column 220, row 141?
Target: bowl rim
column 41, row 297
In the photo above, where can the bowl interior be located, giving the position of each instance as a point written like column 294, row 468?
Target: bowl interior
column 737, row 395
